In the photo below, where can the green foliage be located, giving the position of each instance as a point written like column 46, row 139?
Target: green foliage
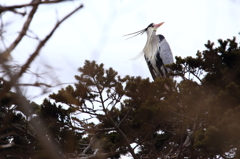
column 59, row 126
column 218, row 94
column 103, row 115
column 13, row 128
column 18, row 138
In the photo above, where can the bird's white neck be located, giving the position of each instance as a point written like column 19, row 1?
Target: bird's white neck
column 151, row 45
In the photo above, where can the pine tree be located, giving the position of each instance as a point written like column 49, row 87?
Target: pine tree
column 196, row 118
column 105, row 116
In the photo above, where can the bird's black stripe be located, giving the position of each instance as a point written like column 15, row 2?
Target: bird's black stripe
column 161, row 37
column 160, row 64
column 151, row 68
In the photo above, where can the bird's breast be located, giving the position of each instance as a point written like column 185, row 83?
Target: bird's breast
column 150, row 49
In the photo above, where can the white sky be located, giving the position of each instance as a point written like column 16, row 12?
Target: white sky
column 95, row 33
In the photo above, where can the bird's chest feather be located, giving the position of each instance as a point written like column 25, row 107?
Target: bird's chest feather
column 151, row 49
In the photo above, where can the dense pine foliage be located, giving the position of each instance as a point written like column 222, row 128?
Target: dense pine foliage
column 104, row 115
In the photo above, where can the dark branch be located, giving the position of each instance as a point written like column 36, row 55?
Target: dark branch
column 22, row 33
column 43, row 42
column 33, row 3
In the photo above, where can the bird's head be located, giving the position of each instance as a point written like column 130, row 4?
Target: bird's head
column 153, row 27
column 149, row 30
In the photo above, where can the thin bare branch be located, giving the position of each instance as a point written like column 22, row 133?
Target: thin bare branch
column 22, row 33
column 32, row 3
column 37, row 84
column 92, row 140
column 192, row 72
column 43, row 42
column 35, row 53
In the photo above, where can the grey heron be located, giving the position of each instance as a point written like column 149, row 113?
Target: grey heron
column 156, row 51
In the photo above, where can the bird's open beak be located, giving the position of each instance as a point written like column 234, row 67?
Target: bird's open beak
column 158, row 25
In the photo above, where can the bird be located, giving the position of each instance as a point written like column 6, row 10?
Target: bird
column 156, row 51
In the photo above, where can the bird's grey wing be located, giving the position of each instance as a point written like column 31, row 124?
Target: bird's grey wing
column 165, row 51
column 151, row 69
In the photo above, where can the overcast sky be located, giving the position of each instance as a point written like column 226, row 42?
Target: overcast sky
column 95, row 33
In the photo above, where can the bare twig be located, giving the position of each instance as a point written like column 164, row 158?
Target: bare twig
column 42, row 43
column 192, row 72
column 92, row 140
column 22, row 33
column 37, row 84
column 33, row 3
column 5, row 9
column 35, row 53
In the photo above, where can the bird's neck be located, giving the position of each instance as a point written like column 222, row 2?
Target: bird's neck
column 151, row 45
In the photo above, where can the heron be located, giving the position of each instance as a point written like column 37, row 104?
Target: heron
column 156, row 51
